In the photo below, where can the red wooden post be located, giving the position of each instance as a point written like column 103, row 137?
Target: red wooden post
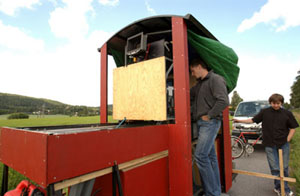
column 181, row 71
column 180, row 158
column 227, row 167
column 103, row 97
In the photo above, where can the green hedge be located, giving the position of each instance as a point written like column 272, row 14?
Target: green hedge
column 18, row 116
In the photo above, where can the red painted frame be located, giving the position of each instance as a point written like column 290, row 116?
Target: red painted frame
column 47, row 159
column 103, row 105
column 180, row 157
column 26, row 152
column 226, row 154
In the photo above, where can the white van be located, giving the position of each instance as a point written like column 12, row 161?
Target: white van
column 246, row 110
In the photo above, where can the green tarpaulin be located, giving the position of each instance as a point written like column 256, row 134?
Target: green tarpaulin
column 220, row 58
column 118, row 57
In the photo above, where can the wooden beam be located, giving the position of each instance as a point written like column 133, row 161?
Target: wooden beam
column 123, row 166
column 154, row 158
column 281, row 172
column 263, row 175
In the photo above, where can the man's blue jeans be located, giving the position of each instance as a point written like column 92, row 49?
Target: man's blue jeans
column 273, row 160
column 206, row 158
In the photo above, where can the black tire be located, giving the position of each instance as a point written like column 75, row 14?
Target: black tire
column 237, row 147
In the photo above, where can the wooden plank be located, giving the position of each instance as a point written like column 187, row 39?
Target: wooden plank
column 262, row 175
column 142, row 160
column 124, row 166
column 281, row 172
column 83, row 178
column 139, row 91
column 163, row 155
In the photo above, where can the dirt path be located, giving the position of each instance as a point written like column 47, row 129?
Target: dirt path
column 244, row 185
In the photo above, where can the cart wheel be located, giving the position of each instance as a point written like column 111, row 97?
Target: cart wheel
column 237, row 147
column 249, row 148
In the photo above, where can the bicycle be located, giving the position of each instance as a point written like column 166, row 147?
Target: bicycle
column 240, row 145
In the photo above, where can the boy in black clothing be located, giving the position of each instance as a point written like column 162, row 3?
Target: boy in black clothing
column 278, row 127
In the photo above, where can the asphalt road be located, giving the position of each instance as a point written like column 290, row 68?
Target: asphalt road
column 245, row 185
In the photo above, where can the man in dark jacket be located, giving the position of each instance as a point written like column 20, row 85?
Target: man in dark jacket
column 278, row 127
column 208, row 99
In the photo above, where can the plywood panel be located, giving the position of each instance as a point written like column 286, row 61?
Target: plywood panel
column 139, row 91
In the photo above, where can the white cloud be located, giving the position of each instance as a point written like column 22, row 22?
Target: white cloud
column 149, row 9
column 280, row 14
column 109, row 2
column 14, row 38
column 70, row 21
column 70, row 73
column 260, row 77
column 9, row 7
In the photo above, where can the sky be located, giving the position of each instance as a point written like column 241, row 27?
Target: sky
column 48, row 48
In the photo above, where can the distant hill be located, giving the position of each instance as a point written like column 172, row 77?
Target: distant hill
column 11, row 103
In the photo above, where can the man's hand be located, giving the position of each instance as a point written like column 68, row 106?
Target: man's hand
column 291, row 134
column 235, row 120
column 205, row 118
column 248, row 121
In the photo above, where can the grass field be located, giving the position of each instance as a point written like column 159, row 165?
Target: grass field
column 51, row 120
column 4, row 117
column 295, row 156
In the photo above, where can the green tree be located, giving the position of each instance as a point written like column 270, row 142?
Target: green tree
column 287, row 106
column 295, row 95
column 235, row 100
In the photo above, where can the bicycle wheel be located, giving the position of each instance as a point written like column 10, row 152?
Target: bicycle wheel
column 237, row 147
